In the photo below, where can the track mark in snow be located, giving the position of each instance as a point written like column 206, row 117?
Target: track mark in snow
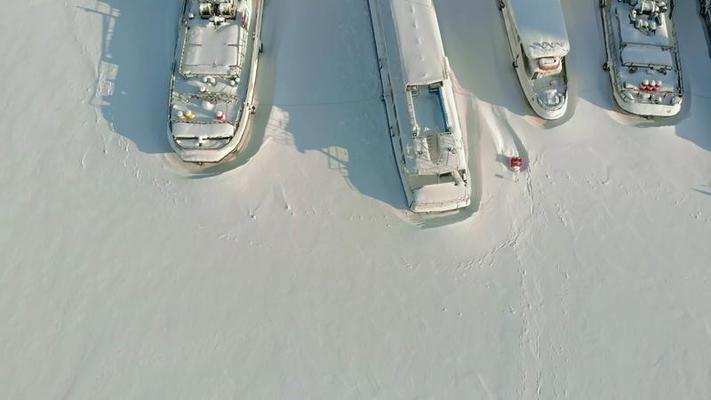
column 489, row 258
column 228, row 236
column 278, row 126
column 506, row 142
column 532, row 303
column 489, row 394
column 413, row 267
column 708, row 328
column 530, row 196
column 285, row 201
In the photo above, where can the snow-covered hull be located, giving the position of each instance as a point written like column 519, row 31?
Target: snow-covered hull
column 547, row 94
column 212, row 99
column 642, row 57
column 432, row 182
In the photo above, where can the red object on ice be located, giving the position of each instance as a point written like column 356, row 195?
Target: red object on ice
column 516, row 162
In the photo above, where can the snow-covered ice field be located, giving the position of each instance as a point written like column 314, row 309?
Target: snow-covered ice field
column 293, row 271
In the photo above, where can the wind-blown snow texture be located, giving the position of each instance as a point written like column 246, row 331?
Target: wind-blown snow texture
column 298, row 275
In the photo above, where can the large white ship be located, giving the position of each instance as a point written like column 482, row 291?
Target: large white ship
column 643, row 56
column 417, row 89
column 213, row 83
column 539, row 44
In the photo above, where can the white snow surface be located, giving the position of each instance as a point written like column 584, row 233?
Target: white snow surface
column 293, row 271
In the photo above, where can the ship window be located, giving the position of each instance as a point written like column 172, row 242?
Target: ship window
column 446, row 177
column 549, row 63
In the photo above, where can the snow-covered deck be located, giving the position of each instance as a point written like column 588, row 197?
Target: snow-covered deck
column 541, row 27
column 629, row 34
column 643, row 59
column 213, row 50
column 419, row 41
column 433, row 139
column 212, row 83
column 426, row 135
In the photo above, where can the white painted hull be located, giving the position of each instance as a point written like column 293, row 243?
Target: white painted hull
column 547, row 113
column 645, row 110
column 444, row 200
column 613, row 67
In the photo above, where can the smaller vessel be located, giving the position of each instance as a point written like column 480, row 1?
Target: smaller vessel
column 214, row 76
column 539, row 44
column 643, row 56
column 425, row 131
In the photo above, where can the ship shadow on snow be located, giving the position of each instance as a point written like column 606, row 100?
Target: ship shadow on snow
column 326, row 95
column 695, row 62
column 476, row 44
column 133, row 76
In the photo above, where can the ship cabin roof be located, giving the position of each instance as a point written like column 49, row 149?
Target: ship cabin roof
column 541, row 27
column 420, row 42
